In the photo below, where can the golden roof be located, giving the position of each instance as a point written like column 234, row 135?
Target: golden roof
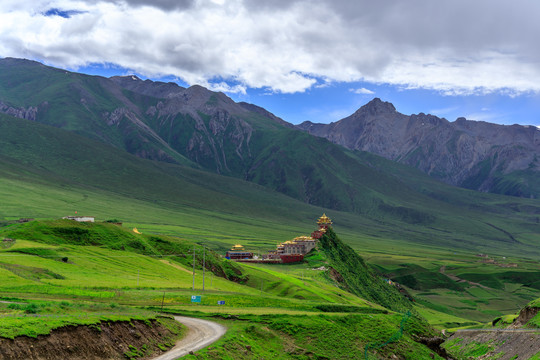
column 237, row 247
column 302, row 238
column 324, row 220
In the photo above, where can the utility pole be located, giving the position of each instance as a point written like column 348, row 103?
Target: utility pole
column 193, row 267
column 203, row 266
column 138, row 277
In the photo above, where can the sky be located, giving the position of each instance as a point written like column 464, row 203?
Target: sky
column 302, row 59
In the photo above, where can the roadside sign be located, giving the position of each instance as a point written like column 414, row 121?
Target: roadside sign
column 195, row 298
column 221, row 302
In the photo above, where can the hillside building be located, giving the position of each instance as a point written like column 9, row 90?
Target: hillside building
column 80, row 218
column 295, row 249
column 289, row 251
column 238, row 252
column 324, row 222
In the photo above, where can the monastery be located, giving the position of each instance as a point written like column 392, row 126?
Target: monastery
column 287, row 252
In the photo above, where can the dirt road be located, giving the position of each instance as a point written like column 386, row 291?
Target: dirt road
column 201, row 333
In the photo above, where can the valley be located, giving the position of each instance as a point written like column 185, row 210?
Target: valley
column 190, row 169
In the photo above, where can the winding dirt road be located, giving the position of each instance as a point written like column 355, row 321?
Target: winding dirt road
column 201, row 333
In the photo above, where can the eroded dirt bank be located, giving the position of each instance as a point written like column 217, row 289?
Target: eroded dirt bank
column 107, row 340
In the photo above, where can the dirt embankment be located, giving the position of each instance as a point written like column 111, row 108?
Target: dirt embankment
column 505, row 344
column 108, row 340
column 526, row 314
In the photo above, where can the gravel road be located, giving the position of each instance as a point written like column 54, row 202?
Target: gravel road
column 201, row 333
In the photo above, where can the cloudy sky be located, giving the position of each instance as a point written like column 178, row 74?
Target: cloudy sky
column 301, row 59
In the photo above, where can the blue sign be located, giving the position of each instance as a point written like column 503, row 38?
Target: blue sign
column 221, row 302
column 195, row 298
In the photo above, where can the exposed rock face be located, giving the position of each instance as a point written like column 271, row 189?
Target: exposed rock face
column 471, row 154
column 28, row 113
column 265, row 113
column 206, row 127
column 526, row 314
column 102, row 341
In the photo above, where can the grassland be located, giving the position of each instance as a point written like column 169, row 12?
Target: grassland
column 47, row 285
column 322, row 337
column 187, row 208
column 461, row 285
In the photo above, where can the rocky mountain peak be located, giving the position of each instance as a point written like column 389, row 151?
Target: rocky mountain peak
column 156, row 89
column 377, row 106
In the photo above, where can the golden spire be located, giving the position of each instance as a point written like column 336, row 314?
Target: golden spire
column 324, row 220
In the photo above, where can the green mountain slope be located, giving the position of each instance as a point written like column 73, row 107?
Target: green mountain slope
column 95, row 273
column 404, row 208
column 200, row 128
column 351, row 272
column 88, row 105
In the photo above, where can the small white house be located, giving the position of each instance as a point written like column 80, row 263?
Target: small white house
column 80, row 218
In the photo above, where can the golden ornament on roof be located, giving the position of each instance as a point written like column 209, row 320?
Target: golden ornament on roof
column 324, row 220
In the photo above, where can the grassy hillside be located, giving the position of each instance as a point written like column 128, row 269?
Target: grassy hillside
column 319, row 337
column 49, row 172
column 221, row 136
column 87, row 105
column 77, row 273
column 352, row 273
column 407, row 225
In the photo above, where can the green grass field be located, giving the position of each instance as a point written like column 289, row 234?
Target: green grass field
column 407, row 227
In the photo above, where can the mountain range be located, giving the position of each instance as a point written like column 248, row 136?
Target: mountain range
column 208, row 130
column 196, row 149
column 471, row 154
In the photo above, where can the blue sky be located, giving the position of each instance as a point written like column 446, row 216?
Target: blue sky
column 338, row 101
column 302, row 59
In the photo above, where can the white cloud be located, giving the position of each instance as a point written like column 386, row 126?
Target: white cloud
column 456, row 47
column 362, row 91
column 224, row 87
column 444, row 111
column 487, row 117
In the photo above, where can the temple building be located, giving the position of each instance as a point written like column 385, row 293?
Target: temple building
column 299, row 245
column 238, row 252
column 324, row 222
column 289, row 251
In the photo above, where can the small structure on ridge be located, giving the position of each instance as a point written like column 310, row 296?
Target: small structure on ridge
column 324, row 222
column 80, row 218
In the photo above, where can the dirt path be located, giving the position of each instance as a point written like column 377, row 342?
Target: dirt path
column 201, row 333
column 442, row 270
column 176, row 266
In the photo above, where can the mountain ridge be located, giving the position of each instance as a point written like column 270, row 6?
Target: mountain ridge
column 471, row 154
column 207, row 130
